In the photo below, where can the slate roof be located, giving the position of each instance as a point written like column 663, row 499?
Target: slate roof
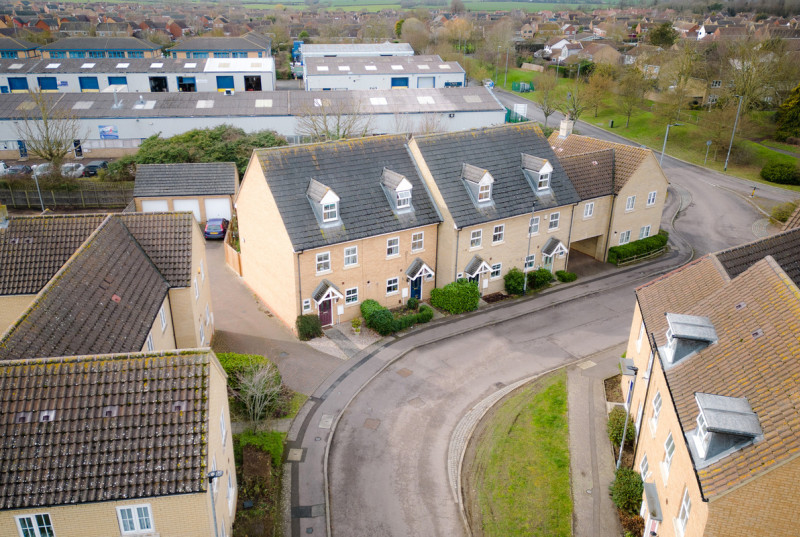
column 103, row 300
column 33, row 248
column 353, row 169
column 100, row 43
column 784, row 247
column 498, row 150
column 592, row 174
column 192, row 179
column 627, row 158
column 356, row 48
column 80, row 456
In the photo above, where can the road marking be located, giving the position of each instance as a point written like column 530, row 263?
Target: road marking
column 326, row 421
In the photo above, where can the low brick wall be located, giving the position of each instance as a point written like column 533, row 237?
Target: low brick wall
column 232, row 257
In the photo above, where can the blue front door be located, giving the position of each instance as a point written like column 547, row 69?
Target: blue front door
column 416, row 288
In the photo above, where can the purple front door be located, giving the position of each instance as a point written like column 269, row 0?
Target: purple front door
column 325, row 312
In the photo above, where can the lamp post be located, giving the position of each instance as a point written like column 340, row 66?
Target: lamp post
column 505, row 78
column 214, row 474
column 664, row 147
column 735, row 122
column 497, row 62
column 528, row 254
column 627, row 414
column 38, row 191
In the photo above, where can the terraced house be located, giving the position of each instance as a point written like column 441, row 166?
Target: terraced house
column 713, row 358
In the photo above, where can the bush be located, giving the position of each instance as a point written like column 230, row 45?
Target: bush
column 515, row 281
column 782, row 212
column 566, row 277
column 234, row 364
column 457, row 297
column 631, row 524
column 616, row 423
column 626, row 490
column 425, row 314
column 781, row 173
column 412, row 303
column 382, row 321
column 539, row 278
column 368, row 307
column 268, row 441
column 123, row 169
column 308, row 327
column 618, row 254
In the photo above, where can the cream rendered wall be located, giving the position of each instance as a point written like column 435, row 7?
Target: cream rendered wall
column 163, row 340
column 171, row 206
column 11, row 308
column 220, row 448
column 593, row 226
column 189, row 311
column 372, row 271
column 269, row 264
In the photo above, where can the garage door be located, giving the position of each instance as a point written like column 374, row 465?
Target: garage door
column 188, row 205
column 155, row 206
column 425, row 82
column 218, row 208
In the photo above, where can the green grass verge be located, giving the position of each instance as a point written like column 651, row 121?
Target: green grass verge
column 268, row 441
column 297, row 402
column 780, row 145
column 523, row 454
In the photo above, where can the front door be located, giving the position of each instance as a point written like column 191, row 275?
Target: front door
column 325, row 312
column 416, row 288
column 23, row 149
column 547, row 262
column 76, row 146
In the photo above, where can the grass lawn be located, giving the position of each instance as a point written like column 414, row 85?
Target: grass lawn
column 520, row 471
column 780, row 145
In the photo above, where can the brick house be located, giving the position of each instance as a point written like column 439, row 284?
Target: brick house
column 323, row 227
column 715, row 394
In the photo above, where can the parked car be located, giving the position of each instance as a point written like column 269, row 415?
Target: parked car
column 41, row 170
column 19, row 169
column 72, row 169
column 3, row 168
column 95, row 166
column 216, row 228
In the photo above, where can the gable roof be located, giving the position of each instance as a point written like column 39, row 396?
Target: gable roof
column 627, row 158
column 167, row 240
column 192, row 179
column 103, row 300
column 353, row 169
column 783, row 247
column 80, row 456
column 498, row 150
column 592, row 174
column 33, row 248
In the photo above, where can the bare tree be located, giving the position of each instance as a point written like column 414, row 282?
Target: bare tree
column 49, row 132
column 596, row 90
column 574, row 103
column 259, row 389
column 334, row 119
column 632, row 87
column 416, row 34
column 545, row 96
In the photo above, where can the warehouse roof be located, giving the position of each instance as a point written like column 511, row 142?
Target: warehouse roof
column 113, row 66
column 100, row 43
column 380, row 65
column 251, row 41
column 356, row 49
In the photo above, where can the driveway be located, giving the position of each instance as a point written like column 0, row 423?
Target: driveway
column 244, row 324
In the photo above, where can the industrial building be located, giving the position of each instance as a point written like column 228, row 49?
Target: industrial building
column 354, row 50
column 137, row 75
column 381, row 73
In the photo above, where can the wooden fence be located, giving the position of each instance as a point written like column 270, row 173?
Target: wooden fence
column 94, row 198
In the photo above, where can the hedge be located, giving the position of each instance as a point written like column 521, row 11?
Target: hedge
column 457, row 297
column 626, row 490
column 782, row 173
column 616, row 424
column 618, row 254
column 308, row 327
column 566, row 277
column 385, row 323
column 539, row 278
column 515, row 281
column 234, row 363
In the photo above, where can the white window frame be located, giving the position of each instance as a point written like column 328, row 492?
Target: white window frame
column 162, row 315
column 651, row 198
column 392, row 286
column 135, row 518
column 202, row 334
column 555, row 221
column 223, row 427
column 484, row 193
column 498, row 233
column 644, row 468
column 716, row 83
column 657, row 403
column 544, row 181
column 330, row 211
column 306, row 305
column 35, row 525
column 530, row 263
column 351, row 256
column 640, row 338
column 683, row 515
column 476, row 238
column 196, row 289
column 702, row 435
column 418, row 241
column 202, row 271
column 392, row 250
column 403, row 199
column 669, row 453
column 644, row 232
column 625, row 237
column 208, row 315
column 533, row 226
column 149, row 343
column 349, row 294
column 231, row 494
column 214, row 482
column 496, row 268
column 588, row 210
column 323, row 259
column 630, row 203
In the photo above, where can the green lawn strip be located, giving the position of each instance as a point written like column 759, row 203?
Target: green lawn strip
column 297, row 402
column 268, row 441
column 524, row 488
column 780, row 145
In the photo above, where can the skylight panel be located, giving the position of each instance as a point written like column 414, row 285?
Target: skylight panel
column 378, row 101
column 123, row 65
column 344, row 67
column 444, row 66
column 425, row 99
column 27, row 105
column 87, row 66
column 370, row 68
column 205, row 103
column 190, row 65
column 157, row 65
column 144, row 105
column 263, row 103
column 423, row 67
column 397, row 67
column 82, row 105
column 53, row 66
column 472, row 99
column 322, row 102
column 16, row 66
column 322, row 67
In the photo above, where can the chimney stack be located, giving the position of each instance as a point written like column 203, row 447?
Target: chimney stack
column 566, row 128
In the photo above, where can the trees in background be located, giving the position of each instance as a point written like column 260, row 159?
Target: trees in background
column 788, row 116
column 631, row 88
column 328, row 119
column 415, row 33
column 663, row 35
column 597, row 87
column 545, row 96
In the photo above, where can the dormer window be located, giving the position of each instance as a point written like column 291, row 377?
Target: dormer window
column 397, row 188
column 485, row 193
column 330, row 212
column 544, row 181
column 538, row 171
column 324, row 202
column 703, row 436
column 403, row 199
column 724, row 425
column 478, row 182
column 686, row 336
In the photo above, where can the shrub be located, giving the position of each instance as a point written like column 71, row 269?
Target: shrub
column 457, row 297
column 626, row 490
column 234, row 363
column 631, row 524
column 539, row 278
column 368, row 307
column 782, row 212
column 616, row 423
column 123, row 169
column 268, row 441
column 356, row 323
column 308, row 327
column 383, row 322
column 412, row 303
column 425, row 314
column 566, row 277
column 781, row 173
column 618, row 254
column 515, row 281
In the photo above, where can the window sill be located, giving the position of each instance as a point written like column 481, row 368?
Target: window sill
column 534, row 234
column 498, row 243
column 664, row 473
column 393, row 256
column 347, row 305
column 493, row 278
column 553, row 230
column 393, row 293
column 588, row 217
column 418, row 251
column 473, row 248
column 347, row 267
column 649, row 206
column 629, row 211
column 324, row 272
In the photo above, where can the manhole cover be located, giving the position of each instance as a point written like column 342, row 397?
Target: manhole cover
column 404, row 372
column 371, row 423
column 295, row 455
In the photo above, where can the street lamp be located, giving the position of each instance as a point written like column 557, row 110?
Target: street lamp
column 735, row 122
column 496, row 62
column 505, row 78
column 664, row 147
column 528, row 254
column 214, row 474
column 627, row 413
column 36, row 180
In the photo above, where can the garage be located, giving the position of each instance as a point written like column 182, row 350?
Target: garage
column 187, row 205
column 155, row 206
column 426, row 82
column 218, row 208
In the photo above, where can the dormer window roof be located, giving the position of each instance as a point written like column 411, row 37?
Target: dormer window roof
column 687, row 334
column 479, row 181
column 324, row 202
column 724, row 425
column 538, row 171
column 397, row 188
